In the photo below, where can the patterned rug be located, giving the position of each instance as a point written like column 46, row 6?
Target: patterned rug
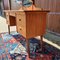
column 13, row 46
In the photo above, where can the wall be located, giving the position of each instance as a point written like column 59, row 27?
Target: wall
column 6, row 4
column 14, row 5
column 53, row 19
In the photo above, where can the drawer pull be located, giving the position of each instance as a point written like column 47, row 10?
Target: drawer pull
column 20, row 28
column 19, row 19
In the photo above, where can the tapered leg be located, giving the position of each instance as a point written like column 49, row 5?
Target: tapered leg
column 9, row 29
column 41, row 42
column 28, row 48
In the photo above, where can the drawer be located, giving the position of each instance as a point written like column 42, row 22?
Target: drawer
column 21, row 21
column 22, row 31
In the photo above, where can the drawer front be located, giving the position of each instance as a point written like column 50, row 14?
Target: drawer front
column 21, row 24
column 21, row 21
column 22, row 31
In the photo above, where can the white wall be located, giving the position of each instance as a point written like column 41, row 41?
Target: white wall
column 14, row 5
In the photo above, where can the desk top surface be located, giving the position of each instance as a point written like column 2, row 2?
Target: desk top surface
column 26, row 10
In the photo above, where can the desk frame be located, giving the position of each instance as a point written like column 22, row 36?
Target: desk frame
column 13, row 13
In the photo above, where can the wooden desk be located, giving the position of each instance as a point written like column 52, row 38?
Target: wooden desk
column 29, row 23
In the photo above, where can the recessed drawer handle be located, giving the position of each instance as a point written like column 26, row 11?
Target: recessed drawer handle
column 20, row 28
column 19, row 19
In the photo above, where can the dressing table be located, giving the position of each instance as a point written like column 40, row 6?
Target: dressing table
column 29, row 23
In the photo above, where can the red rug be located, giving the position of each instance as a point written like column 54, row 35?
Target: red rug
column 9, row 42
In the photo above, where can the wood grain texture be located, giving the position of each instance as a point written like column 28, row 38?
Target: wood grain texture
column 21, row 24
column 53, row 17
column 29, row 23
column 35, row 23
column 57, row 5
column 54, row 22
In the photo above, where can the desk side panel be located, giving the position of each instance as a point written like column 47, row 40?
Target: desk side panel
column 35, row 24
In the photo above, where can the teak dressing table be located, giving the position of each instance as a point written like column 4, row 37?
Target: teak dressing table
column 29, row 23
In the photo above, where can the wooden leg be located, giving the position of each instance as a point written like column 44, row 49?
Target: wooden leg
column 17, row 29
column 28, row 48
column 41, row 42
column 9, row 29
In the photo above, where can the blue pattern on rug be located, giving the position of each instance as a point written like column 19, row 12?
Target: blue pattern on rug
column 9, row 42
